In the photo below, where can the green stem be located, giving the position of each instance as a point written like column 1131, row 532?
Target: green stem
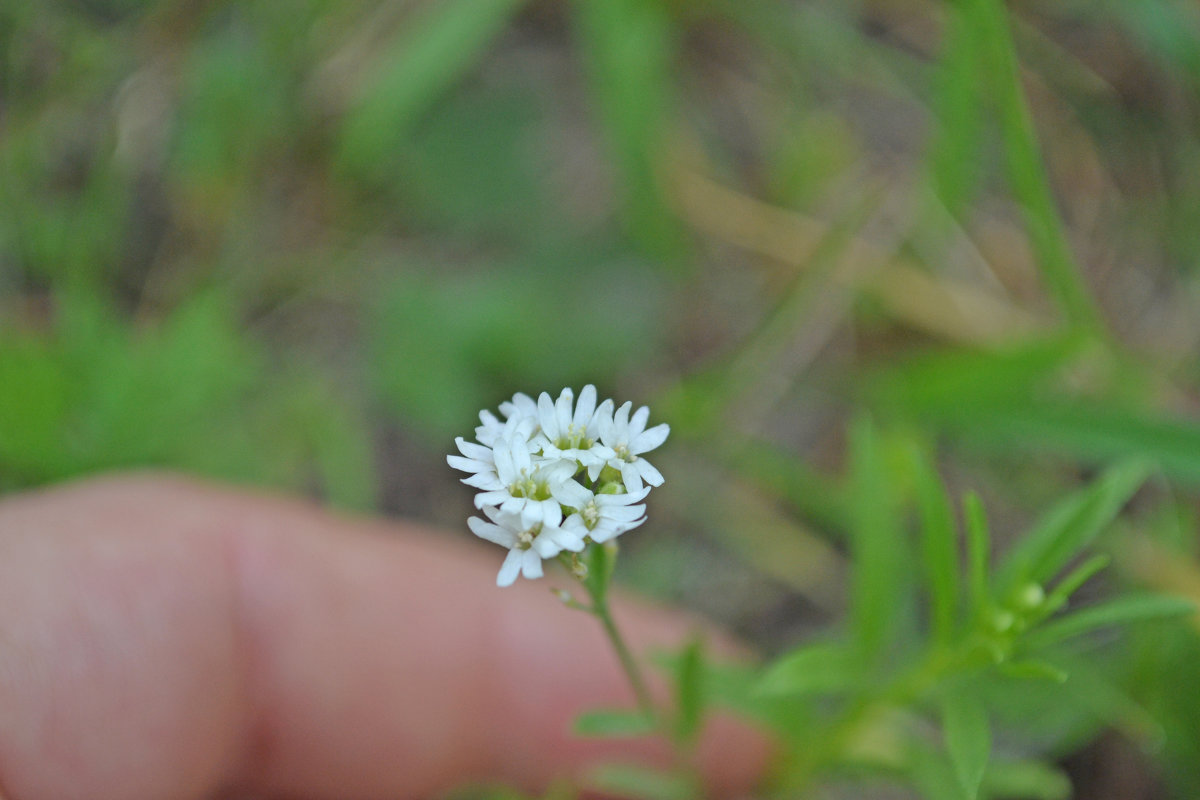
column 632, row 671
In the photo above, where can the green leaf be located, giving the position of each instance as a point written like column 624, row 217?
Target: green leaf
column 427, row 60
column 880, row 556
column 1015, row 400
column 1031, row 780
column 959, row 387
column 939, row 546
column 628, row 780
column 979, row 545
column 614, row 723
column 1120, row 611
column 1026, row 172
column 1066, row 587
column 968, row 739
column 1032, row 669
column 628, row 47
column 954, row 157
column 690, row 694
column 815, row 669
column 1070, row 526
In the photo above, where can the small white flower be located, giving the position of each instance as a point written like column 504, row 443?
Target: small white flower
column 520, row 485
column 570, row 430
column 541, row 461
column 480, row 461
column 629, row 439
column 520, row 419
column 527, row 544
column 606, row 516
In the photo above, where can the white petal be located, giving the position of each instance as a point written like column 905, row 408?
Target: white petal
column 650, row 439
column 484, row 480
column 497, row 497
column 621, row 422
column 631, row 477
column 466, row 464
column 624, row 513
column 521, row 405
column 638, row 423
column 562, row 409
column 505, row 469
column 551, row 512
column 571, row 493
column 521, row 457
column 472, row 450
column 547, row 546
column 509, row 569
column 622, row 499
column 647, row 470
column 602, row 419
column 585, row 407
column 531, row 513
column 491, row 532
column 571, row 540
column 546, row 416
column 557, row 472
column 602, row 452
column 531, row 564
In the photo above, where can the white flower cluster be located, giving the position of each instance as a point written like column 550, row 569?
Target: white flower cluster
column 554, row 475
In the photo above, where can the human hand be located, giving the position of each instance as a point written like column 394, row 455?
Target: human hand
column 166, row 639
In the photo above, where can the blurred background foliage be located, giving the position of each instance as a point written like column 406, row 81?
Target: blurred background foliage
column 301, row 244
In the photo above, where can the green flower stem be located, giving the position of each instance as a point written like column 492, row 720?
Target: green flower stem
column 632, row 670
column 596, row 579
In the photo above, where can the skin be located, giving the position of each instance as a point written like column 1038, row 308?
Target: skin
column 161, row 638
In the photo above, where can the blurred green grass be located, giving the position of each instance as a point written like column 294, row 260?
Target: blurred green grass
column 261, row 241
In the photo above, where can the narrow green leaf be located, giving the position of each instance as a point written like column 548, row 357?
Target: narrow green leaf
column 629, row 46
column 979, row 546
column 1026, row 172
column 958, row 105
column 1125, row 610
column 880, row 557
column 1032, row 669
column 629, row 780
column 1063, row 590
column 1014, row 400
column 815, row 669
column 1093, row 432
column 690, row 695
column 939, row 546
column 614, row 723
column 932, row 772
column 1070, row 526
column 968, row 739
column 424, row 62
column 1034, row 780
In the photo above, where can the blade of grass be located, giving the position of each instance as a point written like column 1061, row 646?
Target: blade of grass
column 1026, row 172
column 629, row 46
column 880, row 558
column 1069, row 527
column 979, row 546
column 433, row 53
column 939, row 546
column 968, row 739
column 1121, row 611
